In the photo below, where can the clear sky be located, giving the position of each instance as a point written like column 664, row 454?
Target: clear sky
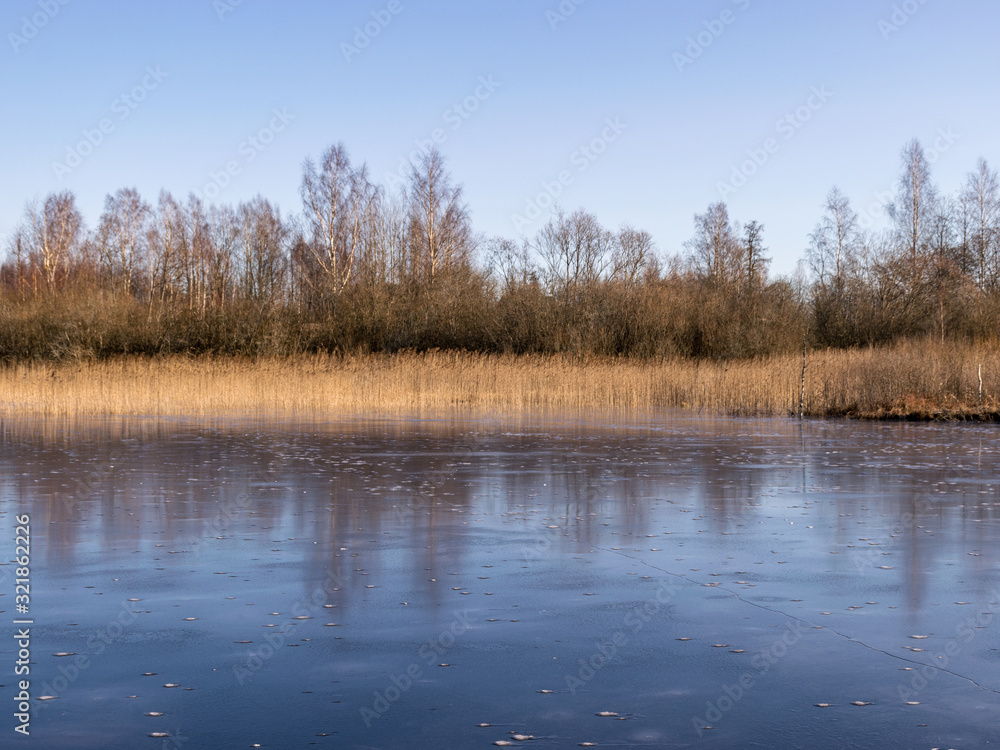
column 586, row 97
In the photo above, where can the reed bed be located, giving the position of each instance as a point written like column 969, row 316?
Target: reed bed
column 919, row 380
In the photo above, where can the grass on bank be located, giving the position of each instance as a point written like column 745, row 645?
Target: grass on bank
column 920, row 380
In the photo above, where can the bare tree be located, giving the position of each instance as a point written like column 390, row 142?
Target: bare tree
column 510, row 264
column 324, row 193
column 53, row 233
column 964, row 225
column 262, row 241
column 386, row 255
column 632, row 252
column 913, row 212
column 981, row 198
column 364, row 205
column 942, row 235
column 302, row 269
column 17, row 248
column 440, row 232
column 220, row 253
column 168, row 246
column 575, row 250
column 834, row 241
column 715, row 249
column 339, row 204
column 197, row 252
column 122, row 237
column 945, row 275
column 754, row 260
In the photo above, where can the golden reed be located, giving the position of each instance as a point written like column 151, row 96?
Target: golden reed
column 923, row 380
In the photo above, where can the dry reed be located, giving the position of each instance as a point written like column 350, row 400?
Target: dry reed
column 911, row 380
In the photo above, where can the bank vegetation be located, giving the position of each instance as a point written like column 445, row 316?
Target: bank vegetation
column 385, row 297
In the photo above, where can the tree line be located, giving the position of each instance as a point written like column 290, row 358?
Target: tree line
column 362, row 269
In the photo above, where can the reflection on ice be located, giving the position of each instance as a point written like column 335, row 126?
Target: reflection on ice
column 369, row 581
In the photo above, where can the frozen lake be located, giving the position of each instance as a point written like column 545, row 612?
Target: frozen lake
column 397, row 583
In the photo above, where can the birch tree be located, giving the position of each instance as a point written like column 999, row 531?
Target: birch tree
column 54, row 231
column 262, row 248
column 981, row 197
column 715, row 249
column 167, row 243
column 833, row 243
column 440, row 231
column 339, row 203
column 913, row 212
column 122, row 237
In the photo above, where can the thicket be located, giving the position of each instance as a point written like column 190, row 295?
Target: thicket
column 362, row 270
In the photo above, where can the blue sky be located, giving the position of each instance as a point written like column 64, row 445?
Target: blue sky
column 587, row 100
